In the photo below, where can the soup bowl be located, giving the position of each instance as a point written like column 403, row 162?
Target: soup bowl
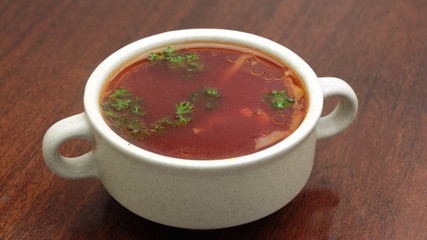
column 198, row 194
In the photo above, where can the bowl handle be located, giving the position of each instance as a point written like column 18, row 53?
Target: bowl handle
column 343, row 114
column 83, row 166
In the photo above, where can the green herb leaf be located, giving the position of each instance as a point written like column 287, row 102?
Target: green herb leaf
column 124, row 111
column 278, row 99
column 172, row 57
column 153, row 56
column 120, row 93
column 169, row 51
column 206, row 96
column 211, row 92
column 162, row 124
column 183, row 109
column 122, row 104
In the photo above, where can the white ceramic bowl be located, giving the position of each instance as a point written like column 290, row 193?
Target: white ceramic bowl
column 190, row 193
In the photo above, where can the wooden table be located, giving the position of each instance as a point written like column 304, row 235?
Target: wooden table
column 369, row 182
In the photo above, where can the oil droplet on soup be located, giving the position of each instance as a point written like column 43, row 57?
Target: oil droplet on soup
column 204, row 102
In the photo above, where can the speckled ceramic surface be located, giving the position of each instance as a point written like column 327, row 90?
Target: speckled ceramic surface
column 190, row 193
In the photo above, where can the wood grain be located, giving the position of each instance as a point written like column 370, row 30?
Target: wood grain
column 369, row 182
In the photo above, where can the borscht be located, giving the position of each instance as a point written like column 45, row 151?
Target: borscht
column 204, row 101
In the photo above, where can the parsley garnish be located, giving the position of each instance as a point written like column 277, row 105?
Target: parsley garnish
column 120, row 93
column 125, row 110
column 126, row 114
column 183, row 110
column 208, row 96
column 122, row 101
column 278, row 99
column 211, row 92
column 189, row 62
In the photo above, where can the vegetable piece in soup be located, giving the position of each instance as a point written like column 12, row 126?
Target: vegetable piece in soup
column 204, row 102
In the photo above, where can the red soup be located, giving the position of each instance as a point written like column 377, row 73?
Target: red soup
column 204, row 102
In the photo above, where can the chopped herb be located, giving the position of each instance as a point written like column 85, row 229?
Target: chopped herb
column 122, row 104
column 183, row 107
column 125, row 111
column 211, row 92
column 183, row 110
column 152, row 57
column 120, row 93
column 207, row 96
column 171, row 56
column 278, row 99
column 122, row 100
column 162, row 124
column 169, row 51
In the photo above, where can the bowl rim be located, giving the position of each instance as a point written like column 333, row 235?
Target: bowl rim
column 135, row 50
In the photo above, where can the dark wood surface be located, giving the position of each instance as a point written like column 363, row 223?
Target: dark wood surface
column 369, row 182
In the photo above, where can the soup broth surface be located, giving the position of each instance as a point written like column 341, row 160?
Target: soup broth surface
column 204, row 102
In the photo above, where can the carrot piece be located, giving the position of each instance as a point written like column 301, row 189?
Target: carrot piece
column 226, row 76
